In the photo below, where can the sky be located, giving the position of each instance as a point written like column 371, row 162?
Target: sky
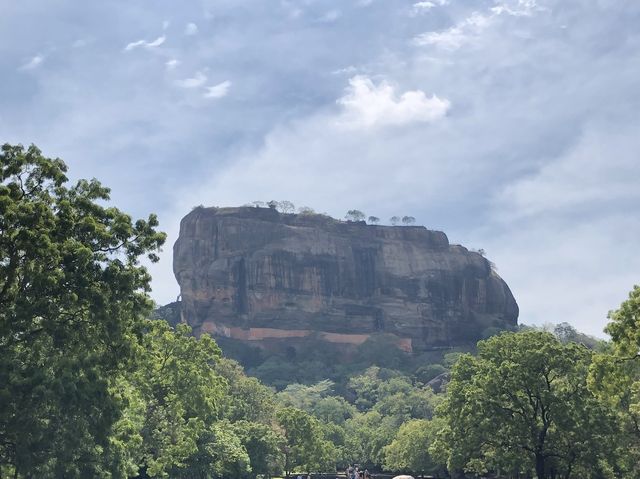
column 512, row 125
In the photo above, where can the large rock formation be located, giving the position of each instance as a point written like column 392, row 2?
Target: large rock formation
column 271, row 279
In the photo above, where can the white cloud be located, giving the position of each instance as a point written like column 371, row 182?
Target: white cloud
column 422, row 7
column 191, row 29
column 136, row 44
column 456, row 36
column 366, row 105
column 143, row 43
column 33, row 62
column 218, row 91
column 467, row 30
column 157, row 42
column 331, row 16
column 517, row 8
column 196, row 81
column 171, row 64
column 350, row 70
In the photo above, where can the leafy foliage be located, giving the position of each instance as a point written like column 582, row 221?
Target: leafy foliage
column 409, row 450
column 522, row 404
column 355, row 215
column 615, row 377
column 71, row 296
column 306, row 449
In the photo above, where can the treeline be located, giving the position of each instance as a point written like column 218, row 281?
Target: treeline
column 287, row 207
column 89, row 387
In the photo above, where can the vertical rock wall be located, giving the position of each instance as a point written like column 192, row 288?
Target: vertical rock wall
column 260, row 276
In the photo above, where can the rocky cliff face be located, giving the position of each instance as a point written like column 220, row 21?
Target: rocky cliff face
column 272, row 279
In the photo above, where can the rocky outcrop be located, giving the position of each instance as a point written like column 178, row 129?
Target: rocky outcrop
column 268, row 278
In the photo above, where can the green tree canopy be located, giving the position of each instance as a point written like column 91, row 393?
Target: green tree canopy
column 409, row 451
column 306, row 448
column 247, row 399
column 72, row 294
column 522, row 404
column 179, row 393
column 355, row 215
column 615, row 377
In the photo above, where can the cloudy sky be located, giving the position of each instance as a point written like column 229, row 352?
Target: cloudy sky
column 512, row 125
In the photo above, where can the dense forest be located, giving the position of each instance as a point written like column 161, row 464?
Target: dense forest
column 92, row 386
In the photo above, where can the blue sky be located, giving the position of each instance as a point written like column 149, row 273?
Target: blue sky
column 512, row 125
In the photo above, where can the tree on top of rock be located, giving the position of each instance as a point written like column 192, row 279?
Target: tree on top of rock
column 408, row 220
column 374, row 220
column 354, row 215
column 306, row 211
column 287, row 206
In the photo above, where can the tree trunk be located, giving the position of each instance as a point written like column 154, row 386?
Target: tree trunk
column 540, row 472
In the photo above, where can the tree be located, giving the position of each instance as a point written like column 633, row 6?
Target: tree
column 263, row 446
column 426, row 373
column 306, row 448
column 624, row 326
column 412, row 403
column 565, row 332
column 273, row 204
column 366, row 436
column 409, row 451
column 287, row 206
column 523, row 404
column 354, row 215
column 333, row 409
column 246, row 398
column 304, row 397
column 408, row 220
column 615, row 377
column 179, row 393
column 306, row 211
column 394, row 220
column 450, row 359
column 258, row 204
column 72, row 295
column 218, row 453
column 374, row 220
